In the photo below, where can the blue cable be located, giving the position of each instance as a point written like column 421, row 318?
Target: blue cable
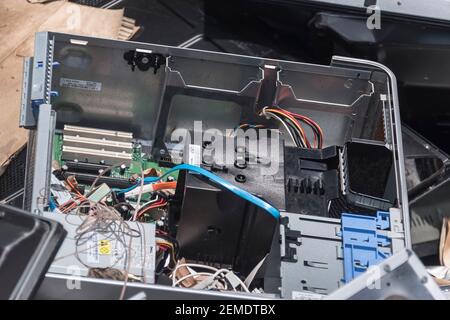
column 224, row 183
column 52, row 204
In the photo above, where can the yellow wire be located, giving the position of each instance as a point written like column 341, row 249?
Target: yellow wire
column 294, row 121
column 171, row 246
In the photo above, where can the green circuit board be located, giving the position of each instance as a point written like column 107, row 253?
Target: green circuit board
column 139, row 161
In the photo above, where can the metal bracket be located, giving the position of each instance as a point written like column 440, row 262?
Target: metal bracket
column 42, row 167
column 289, row 237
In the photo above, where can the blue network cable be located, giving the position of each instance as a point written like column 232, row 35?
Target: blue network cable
column 224, row 183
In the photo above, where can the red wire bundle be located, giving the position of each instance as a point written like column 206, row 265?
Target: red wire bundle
column 158, row 204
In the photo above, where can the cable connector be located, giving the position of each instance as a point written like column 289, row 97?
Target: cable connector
column 233, row 279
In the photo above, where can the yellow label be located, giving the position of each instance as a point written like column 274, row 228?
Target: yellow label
column 104, row 247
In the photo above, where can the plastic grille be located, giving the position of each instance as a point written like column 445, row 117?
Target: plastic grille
column 13, row 178
column 91, row 3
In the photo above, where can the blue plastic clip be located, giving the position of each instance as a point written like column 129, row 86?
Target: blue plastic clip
column 362, row 240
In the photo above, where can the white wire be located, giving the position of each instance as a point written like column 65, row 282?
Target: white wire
column 243, row 285
column 138, row 206
column 193, row 265
column 239, row 280
column 226, row 271
column 283, row 123
column 174, row 284
column 145, row 204
column 217, row 273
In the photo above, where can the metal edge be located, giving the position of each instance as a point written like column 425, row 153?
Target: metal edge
column 397, row 136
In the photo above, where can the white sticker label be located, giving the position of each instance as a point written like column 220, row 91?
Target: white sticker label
column 195, row 158
column 303, row 295
column 80, row 84
column 92, row 249
column 59, row 191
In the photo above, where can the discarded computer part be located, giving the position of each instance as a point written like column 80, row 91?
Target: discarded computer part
column 311, row 255
column 407, row 30
column 400, row 277
column 428, row 186
column 311, row 179
column 368, row 175
column 260, row 172
column 368, row 240
column 99, row 193
column 94, row 156
column 28, row 245
column 210, row 218
column 59, row 191
column 101, row 134
column 320, row 255
column 225, row 92
column 105, row 248
column 54, row 287
column 80, row 144
column 425, row 163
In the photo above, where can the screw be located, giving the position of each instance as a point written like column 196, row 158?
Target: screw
column 240, row 178
column 240, row 164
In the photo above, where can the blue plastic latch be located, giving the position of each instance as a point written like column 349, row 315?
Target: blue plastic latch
column 361, row 241
column 35, row 107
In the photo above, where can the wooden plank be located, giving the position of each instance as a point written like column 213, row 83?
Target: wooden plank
column 19, row 20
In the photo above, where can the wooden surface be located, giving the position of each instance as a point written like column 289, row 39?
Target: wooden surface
column 19, row 20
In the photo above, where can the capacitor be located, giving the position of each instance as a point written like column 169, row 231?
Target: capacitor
column 109, row 201
column 124, row 210
column 160, row 223
column 122, row 169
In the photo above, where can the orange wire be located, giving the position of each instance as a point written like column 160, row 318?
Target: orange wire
column 164, row 185
column 73, row 187
column 315, row 124
column 294, row 121
column 159, row 204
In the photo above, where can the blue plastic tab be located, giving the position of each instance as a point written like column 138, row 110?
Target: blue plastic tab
column 361, row 241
